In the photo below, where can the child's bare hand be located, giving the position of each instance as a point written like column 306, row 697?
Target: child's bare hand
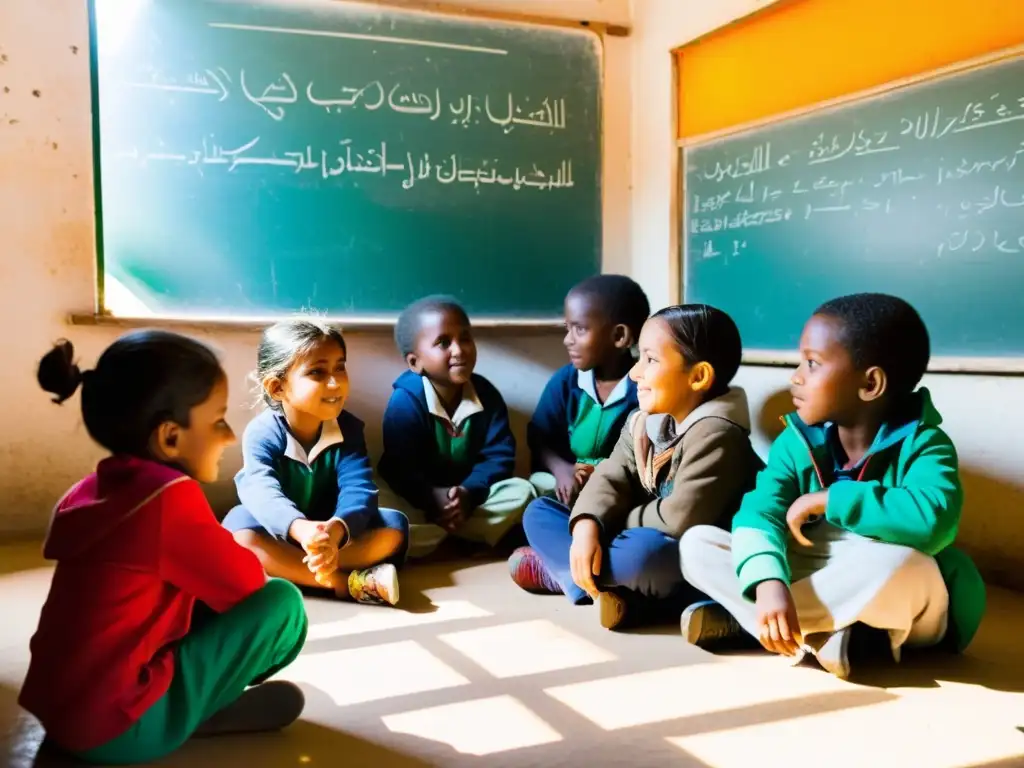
column 455, row 511
column 806, row 509
column 585, row 556
column 567, row 486
column 779, row 628
column 306, row 533
column 322, row 548
column 441, row 500
column 582, row 473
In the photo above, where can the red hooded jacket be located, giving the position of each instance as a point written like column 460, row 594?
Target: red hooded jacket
column 136, row 544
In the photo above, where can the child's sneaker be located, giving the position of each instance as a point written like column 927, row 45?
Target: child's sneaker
column 613, row 609
column 528, row 572
column 377, row 585
column 834, row 654
column 707, row 624
column 268, row 706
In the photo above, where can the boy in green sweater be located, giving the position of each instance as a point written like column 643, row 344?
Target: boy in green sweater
column 853, row 518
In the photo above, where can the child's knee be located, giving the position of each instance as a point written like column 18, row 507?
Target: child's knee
column 281, row 595
column 543, row 483
column 514, row 493
column 390, row 540
column 395, row 521
column 908, row 563
column 279, row 601
column 693, row 548
column 540, row 513
column 248, row 538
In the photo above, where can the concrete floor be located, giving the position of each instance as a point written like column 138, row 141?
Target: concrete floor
column 472, row 672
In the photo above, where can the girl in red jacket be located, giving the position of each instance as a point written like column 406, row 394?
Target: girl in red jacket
column 157, row 622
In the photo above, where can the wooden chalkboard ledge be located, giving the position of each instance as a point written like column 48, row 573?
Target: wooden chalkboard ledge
column 488, row 325
column 993, row 366
column 446, row 7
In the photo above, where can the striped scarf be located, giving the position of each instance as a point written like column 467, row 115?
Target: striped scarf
column 652, row 456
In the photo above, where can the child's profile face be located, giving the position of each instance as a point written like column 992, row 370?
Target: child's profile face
column 589, row 334
column 445, row 351
column 826, row 385
column 317, row 383
column 660, row 374
column 198, row 448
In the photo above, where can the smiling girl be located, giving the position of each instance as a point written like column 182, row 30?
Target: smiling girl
column 682, row 460
column 309, row 506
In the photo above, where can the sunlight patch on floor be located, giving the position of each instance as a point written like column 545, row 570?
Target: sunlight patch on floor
column 373, row 672
column 385, row 619
column 480, row 727
column 696, row 689
column 913, row 731
column 526, row 648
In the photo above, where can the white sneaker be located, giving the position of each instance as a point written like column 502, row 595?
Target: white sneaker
column 377, row 585
column 834, row 654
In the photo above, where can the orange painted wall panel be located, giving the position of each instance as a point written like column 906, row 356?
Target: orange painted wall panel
column 802, row 52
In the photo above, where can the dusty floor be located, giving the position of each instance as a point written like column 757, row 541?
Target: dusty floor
column 474, row 672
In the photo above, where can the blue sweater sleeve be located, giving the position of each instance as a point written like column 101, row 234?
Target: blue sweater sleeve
column 357, row 493
column 258, row 484
column 406, row 432
column 497, row 458
column 549, row 427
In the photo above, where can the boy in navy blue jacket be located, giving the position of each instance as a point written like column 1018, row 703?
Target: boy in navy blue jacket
column 448, row 450
column 584, row 406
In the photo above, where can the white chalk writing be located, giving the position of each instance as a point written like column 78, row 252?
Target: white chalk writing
column 275, row 96
column 410, row 168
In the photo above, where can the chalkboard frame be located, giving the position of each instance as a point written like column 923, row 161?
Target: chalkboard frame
column 101, row 315
column 1011, row 366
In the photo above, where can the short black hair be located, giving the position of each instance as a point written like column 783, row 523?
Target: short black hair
column 884, row 331
column 285, row 341
column 410, row 321
column 706, row 334
column 142, row 380
column 620, row 298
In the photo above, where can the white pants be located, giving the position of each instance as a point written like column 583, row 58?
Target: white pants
column 842, row 579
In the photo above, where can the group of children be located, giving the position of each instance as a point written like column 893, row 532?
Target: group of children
column 645, row 496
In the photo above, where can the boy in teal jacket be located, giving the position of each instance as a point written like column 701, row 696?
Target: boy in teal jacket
column 853, row 519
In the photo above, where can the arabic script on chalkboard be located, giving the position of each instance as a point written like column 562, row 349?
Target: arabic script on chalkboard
column 742, row 190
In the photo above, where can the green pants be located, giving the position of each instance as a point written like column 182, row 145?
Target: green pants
column 486, row 524
column 544, row 484
column 214, row 663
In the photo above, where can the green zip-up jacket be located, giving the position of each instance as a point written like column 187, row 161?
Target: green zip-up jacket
column 908, row 492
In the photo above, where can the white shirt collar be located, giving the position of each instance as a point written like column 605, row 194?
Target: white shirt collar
column 586, row 382
column 330, row 434
column 470, row 404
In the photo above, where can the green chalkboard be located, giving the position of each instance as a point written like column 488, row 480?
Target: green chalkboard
column 258, row 158
column 917, row 192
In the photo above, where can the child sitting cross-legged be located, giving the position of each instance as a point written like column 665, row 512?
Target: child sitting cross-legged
column 449, row 454
column 582, row 410
column 683, row 459
column 309, row 508
column 157, row 627
column 853, row 520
